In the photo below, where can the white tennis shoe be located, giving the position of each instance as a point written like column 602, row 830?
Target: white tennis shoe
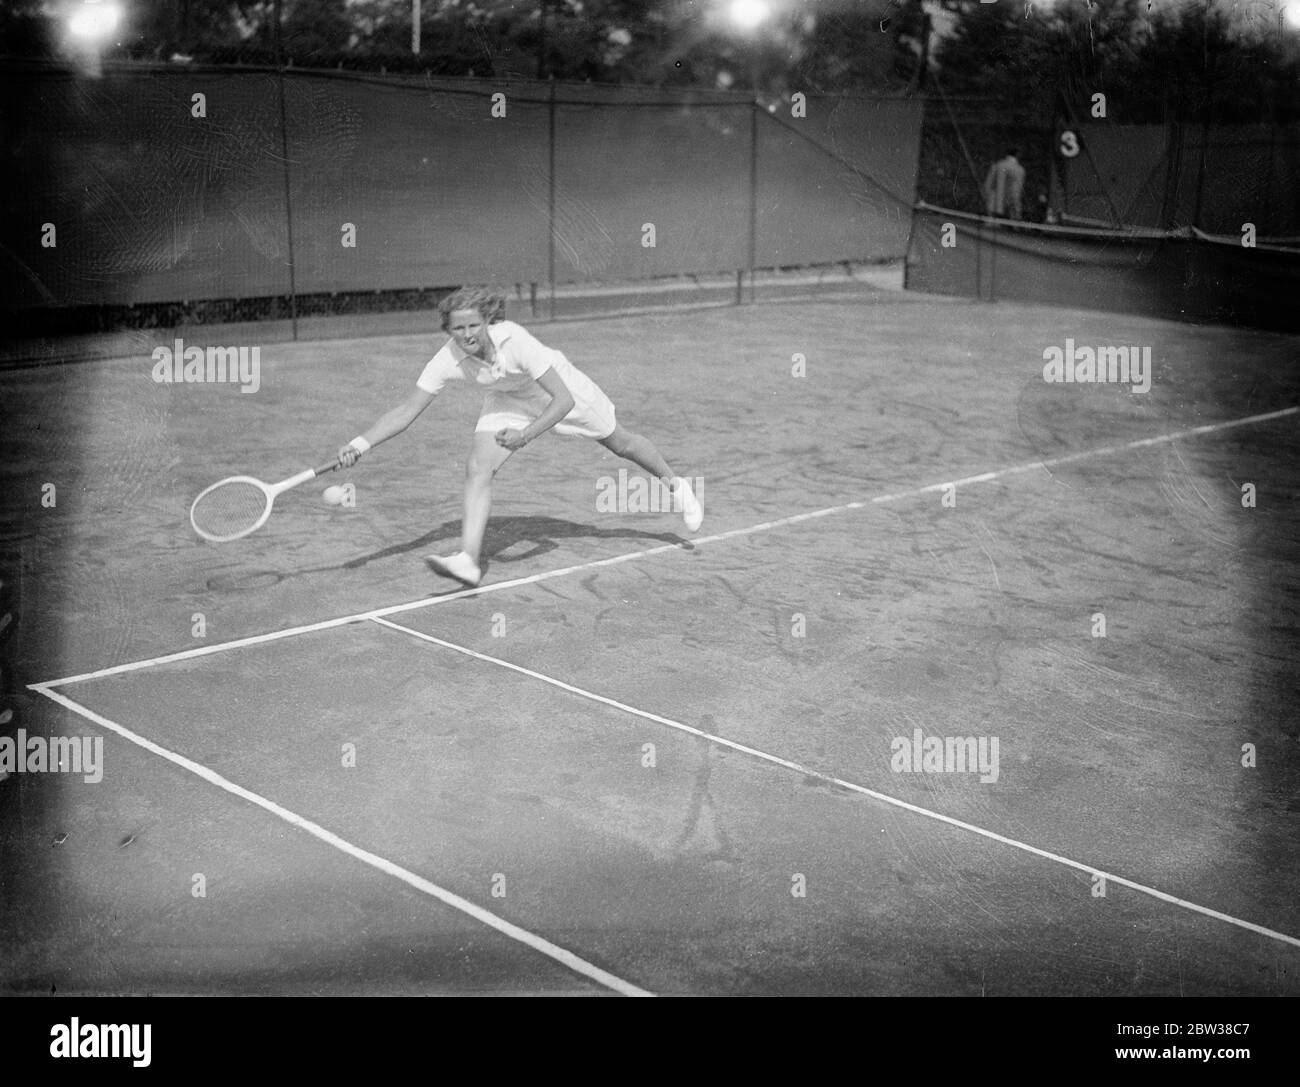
column 692, row 511
column 459, row 566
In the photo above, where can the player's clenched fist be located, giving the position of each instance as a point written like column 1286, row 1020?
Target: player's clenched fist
column 511, row 438
column 349, row 455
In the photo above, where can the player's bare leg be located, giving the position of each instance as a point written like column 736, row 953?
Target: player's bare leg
column 485, row 459
column 641, row 451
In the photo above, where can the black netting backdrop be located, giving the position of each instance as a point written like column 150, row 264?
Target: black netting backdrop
column 148, row 204
column 838, row 183
column 154, row 207
column 1158, row 275
column 681, row 170
column 439, row 190
column 1152, row 175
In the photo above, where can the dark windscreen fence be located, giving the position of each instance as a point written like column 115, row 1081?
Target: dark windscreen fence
column 1251, row 174
column 116, row 194
column 1215, row 178
column 650, row 189
column 1183, row 275
column 394, row 185
column 188, row 189
column 837, row 183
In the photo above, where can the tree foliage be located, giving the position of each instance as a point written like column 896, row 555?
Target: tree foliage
column 1154, row 59
column 1195, row 60
column 809, row 45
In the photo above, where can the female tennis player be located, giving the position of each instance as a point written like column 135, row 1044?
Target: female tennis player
column 530, row 389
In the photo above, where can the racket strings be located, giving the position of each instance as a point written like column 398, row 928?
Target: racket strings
column 229, row 509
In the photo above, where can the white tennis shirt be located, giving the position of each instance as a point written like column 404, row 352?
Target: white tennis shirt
column 521, row 360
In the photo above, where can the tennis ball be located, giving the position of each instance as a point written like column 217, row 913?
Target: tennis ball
column 333, row 495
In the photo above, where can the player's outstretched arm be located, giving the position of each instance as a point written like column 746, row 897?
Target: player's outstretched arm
column 388, row 425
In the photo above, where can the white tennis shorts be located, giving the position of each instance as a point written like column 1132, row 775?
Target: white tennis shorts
column 592, row 415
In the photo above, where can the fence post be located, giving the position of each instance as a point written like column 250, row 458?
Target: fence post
column 993, row 265
column 753, row 191
column 1200, row 169
column 1268, row 178
column 278, row 14
column 550, row 213
column 288, row 207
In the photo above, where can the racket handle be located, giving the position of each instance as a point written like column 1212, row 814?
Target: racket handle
column 333, row 465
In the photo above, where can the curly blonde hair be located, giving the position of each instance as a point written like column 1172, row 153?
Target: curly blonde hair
column 488, row 301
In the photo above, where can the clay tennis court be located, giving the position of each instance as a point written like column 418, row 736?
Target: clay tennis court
column 635, row 761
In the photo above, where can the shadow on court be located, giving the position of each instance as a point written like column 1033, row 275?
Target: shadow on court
column 518, row 539
column 508, row 540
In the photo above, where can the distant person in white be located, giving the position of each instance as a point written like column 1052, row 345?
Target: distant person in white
column 530, row 389
column 1004, row 187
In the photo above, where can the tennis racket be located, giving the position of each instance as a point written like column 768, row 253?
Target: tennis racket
column 239, row 505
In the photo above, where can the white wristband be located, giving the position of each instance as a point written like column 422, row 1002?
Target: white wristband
column 359, row 444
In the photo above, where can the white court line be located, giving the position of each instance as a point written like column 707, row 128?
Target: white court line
column 776, row 760
column 765, row 526
column 523, row 936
